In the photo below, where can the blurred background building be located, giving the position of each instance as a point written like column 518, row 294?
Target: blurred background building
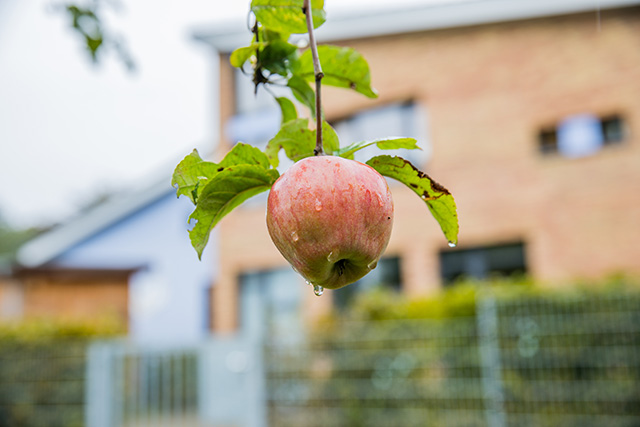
column 126, row 258
column 526, row 111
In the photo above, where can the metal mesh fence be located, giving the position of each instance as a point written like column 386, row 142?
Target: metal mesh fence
column 535, row 361
column 571, row 361
column 42, row 384
column 562, row 361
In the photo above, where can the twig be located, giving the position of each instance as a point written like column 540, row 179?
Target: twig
column 317, row 70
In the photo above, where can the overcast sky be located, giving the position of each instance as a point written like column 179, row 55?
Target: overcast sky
column 70, row 130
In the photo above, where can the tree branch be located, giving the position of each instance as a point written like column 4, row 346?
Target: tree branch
column 317, row 70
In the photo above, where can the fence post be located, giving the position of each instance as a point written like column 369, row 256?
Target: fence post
column 257, row 396
column 489, row 346
column 99, row 385
column 232, row 382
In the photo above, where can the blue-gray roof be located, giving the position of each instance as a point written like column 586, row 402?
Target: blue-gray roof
column 53, row 243
column 225, row 37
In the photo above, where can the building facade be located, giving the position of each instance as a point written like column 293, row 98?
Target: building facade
column 531, row 120
column 128, row 259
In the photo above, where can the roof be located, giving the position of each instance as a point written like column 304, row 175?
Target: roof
column 51, row 244
column 225, row 37
column 68, row 273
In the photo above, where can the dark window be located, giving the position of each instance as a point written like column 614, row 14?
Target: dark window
column 406, row 119
column 548, row 140
column 612, row 129
column 482, row 262
column 581, row 135
column 257, row 118
column 270, row 302
column 386, row 274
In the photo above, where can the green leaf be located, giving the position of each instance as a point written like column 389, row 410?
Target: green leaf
column 383, row 144
column 303, row 92
column 341, row 66
column 244, row 154
column 287, row 16
column 438, row 199
column 297, row 140
column 288, row 109
column 224, row 192
column 217, row 188
column 279, row 57
column 397, row 143
column 269, row 35
column 191, row 174
column 330, row 142
column 242, row 54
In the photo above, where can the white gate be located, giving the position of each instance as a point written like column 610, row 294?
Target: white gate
column 216, row 383
column 219, row 382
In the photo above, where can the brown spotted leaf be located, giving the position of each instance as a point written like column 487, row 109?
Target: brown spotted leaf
column 438, row 199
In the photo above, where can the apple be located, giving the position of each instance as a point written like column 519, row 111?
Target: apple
column 331, row 218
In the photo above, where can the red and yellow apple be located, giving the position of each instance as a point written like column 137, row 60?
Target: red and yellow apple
column 331, row 218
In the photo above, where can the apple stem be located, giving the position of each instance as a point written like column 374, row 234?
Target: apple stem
column 317, row 70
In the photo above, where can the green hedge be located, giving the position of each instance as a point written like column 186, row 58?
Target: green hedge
column 42, row 371
column 567, row 357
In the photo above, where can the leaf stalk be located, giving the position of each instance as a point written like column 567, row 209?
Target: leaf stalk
column 317, row 70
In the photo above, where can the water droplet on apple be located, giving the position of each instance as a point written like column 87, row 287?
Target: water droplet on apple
column 318, row 205
column 423, row 197
column 331, row 257
column 318, row 290
column 294, row 236
column 308, row 283
column 452, row 245
column 372, row 265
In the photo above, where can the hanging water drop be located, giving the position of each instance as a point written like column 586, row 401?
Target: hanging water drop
column 318, row 290
column 294, row 236
column 452, row 245
column 318, row 205
column 372, row 265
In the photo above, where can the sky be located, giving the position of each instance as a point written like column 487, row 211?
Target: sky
column 71, row 131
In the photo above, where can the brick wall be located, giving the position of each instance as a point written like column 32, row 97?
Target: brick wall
column 488, row 90
column 75, row 296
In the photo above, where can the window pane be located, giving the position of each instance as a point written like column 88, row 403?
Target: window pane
column 580, row 136
column 271, row 302
column 613, row 129
column 548, row 141
column 395, row 120
column 482, row 262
